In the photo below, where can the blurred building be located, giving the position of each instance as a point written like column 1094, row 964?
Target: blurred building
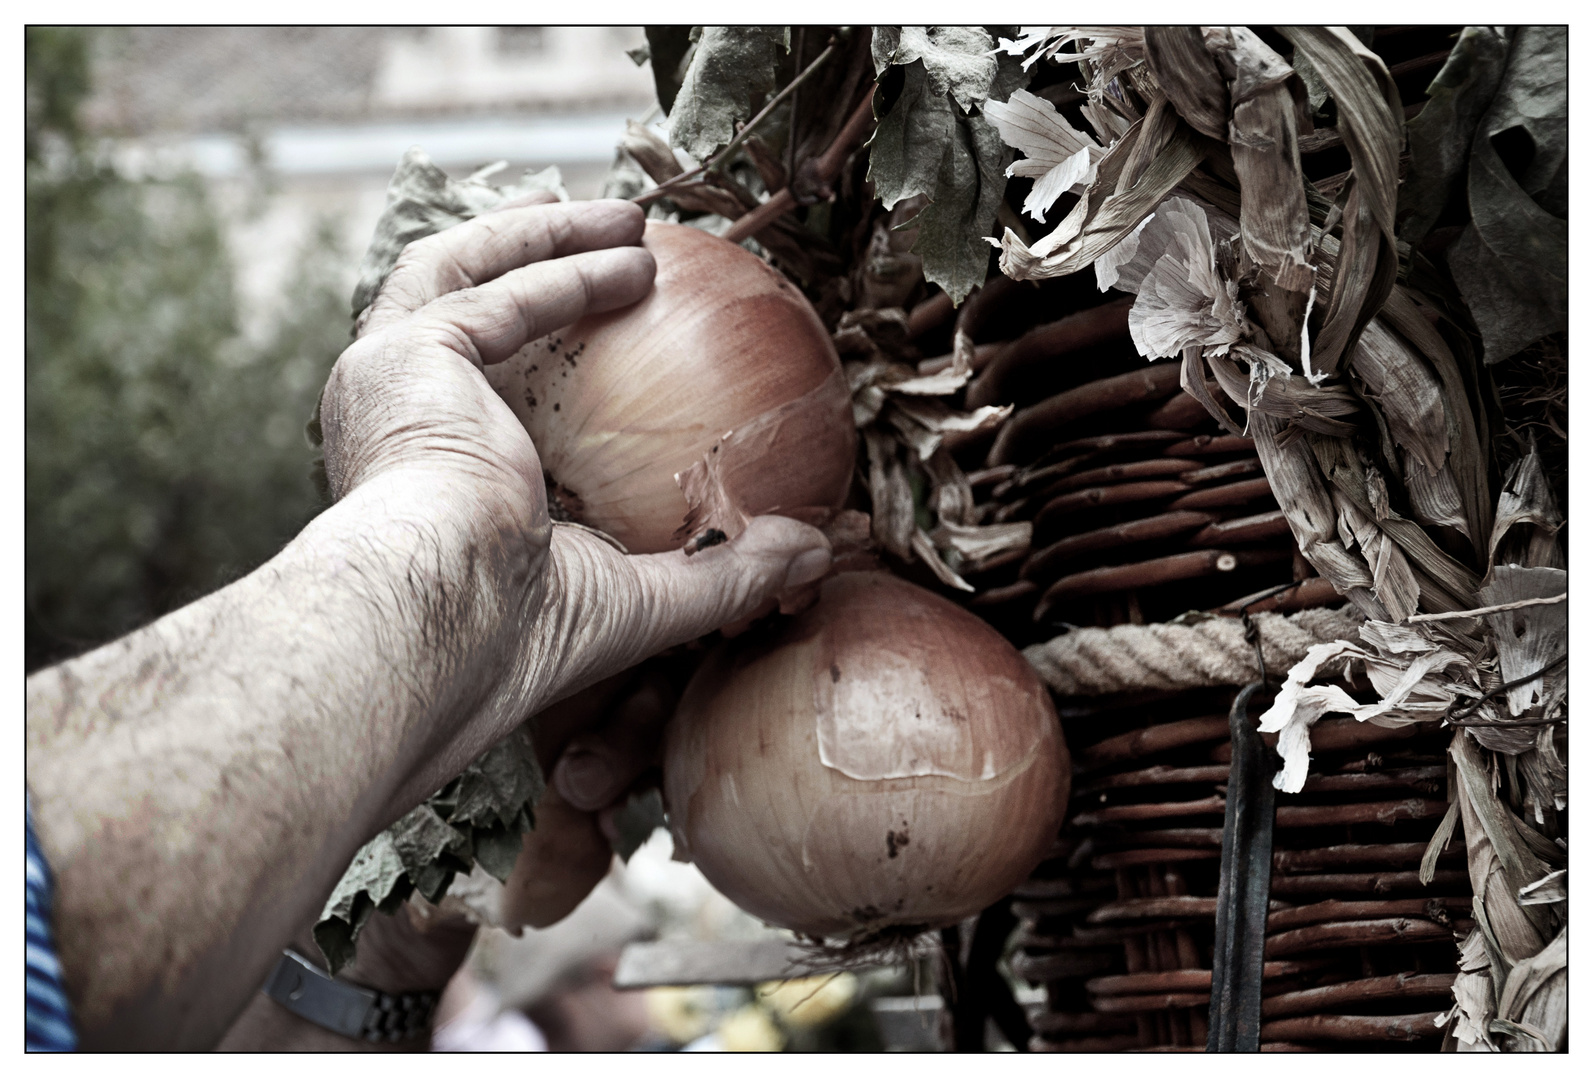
column 297, row 124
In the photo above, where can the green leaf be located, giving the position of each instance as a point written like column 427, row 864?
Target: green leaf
column 730, row 67
column 956, row 58
column 967, row 194
column 498, row 784
column 911, row 140
column 375, row 874
column 1440, row 135
column 497, row 849
column 667, row 47
column 422, row 200
column 478, row 817
column 419, row 837
column 636, row 821
column 1512, row 262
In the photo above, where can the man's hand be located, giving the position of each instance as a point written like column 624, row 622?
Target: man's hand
column 200, row 785
column 407, row 408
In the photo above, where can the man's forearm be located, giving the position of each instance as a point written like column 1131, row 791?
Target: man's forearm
column 199, row 786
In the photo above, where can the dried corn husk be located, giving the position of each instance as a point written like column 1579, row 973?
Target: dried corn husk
column 1369, row 427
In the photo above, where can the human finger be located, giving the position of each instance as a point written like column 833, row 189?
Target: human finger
column 621, row 609
column 486, row 247
column 560, row 862
column 599, row 765
column 496, row 319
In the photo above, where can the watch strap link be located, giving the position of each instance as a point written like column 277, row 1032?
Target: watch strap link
column 356, row 1012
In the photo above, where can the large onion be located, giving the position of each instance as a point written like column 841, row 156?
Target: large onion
column 723, row 374
column 886, row 761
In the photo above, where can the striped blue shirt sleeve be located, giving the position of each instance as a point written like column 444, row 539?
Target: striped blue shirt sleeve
column 49, row 1024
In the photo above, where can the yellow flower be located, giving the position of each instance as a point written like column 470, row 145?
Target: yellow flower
column 680, row 1013
column 749, row 1030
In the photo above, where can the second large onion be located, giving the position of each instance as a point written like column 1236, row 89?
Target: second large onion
column 886, row 760
column 722, row 375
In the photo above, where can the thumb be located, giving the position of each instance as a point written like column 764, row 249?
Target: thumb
column 625, row 608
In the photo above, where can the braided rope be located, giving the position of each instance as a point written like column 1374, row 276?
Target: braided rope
column 1170, row 656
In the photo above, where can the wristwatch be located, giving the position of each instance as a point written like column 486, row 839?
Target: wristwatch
column 357, row 1012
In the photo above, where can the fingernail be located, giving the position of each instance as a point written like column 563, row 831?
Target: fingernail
column 808, row 566
column 585, row 779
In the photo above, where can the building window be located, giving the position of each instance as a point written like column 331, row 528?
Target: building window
column 522, row 40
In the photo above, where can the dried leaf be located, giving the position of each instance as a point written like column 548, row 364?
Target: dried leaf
column 1370, row 123
column 1276, row 225
column 730, row 66
column 1103, row 215
column 1549, row 889
column 1058, row 156
column 1498, row 859
column 890, row 494
column 978, row 544
column 1408, row 392
column 1307, row 502
column 732, row 484
column 1107, row 49
column 1533, row 1002
column 924, row 548
column 651, row 151
column 379, row 877
column 1435, row 847
column 1530, row 638
column 1188, row 75
column 1466, row 459
column 1527, row 522
column 1368, row 108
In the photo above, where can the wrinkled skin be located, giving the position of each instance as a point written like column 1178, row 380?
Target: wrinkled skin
column 200, row 785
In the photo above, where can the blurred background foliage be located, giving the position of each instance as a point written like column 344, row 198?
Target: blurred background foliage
column 165, row 452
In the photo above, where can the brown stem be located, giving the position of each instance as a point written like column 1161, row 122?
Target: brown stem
column 1245, row 530
column 1114, row 495
column 1338, row 935
column 1046, row 563
column 819, row 171
column 1245, row 491
column 1412, row 1028
column 1023, row 433
column 1047, row 342
column 1148, row 469
column 1152, row 572
column 1311, row 593
column 1375, row 884
column 1339, row 911
column 1349, row 855
column 1357, row 993
column 1151, row 740
column 1226, row 471
column 1376, row 813
column 741, row 136
column 1211, row 445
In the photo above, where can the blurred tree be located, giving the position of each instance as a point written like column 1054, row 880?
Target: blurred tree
column 164, row 453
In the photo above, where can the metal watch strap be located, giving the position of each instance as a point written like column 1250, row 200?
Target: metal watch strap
column 356, row 1012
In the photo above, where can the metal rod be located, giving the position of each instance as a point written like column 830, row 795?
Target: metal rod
column 1243, row 888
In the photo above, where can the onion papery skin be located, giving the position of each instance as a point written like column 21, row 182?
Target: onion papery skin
column 885, row 759
column 619, row 403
